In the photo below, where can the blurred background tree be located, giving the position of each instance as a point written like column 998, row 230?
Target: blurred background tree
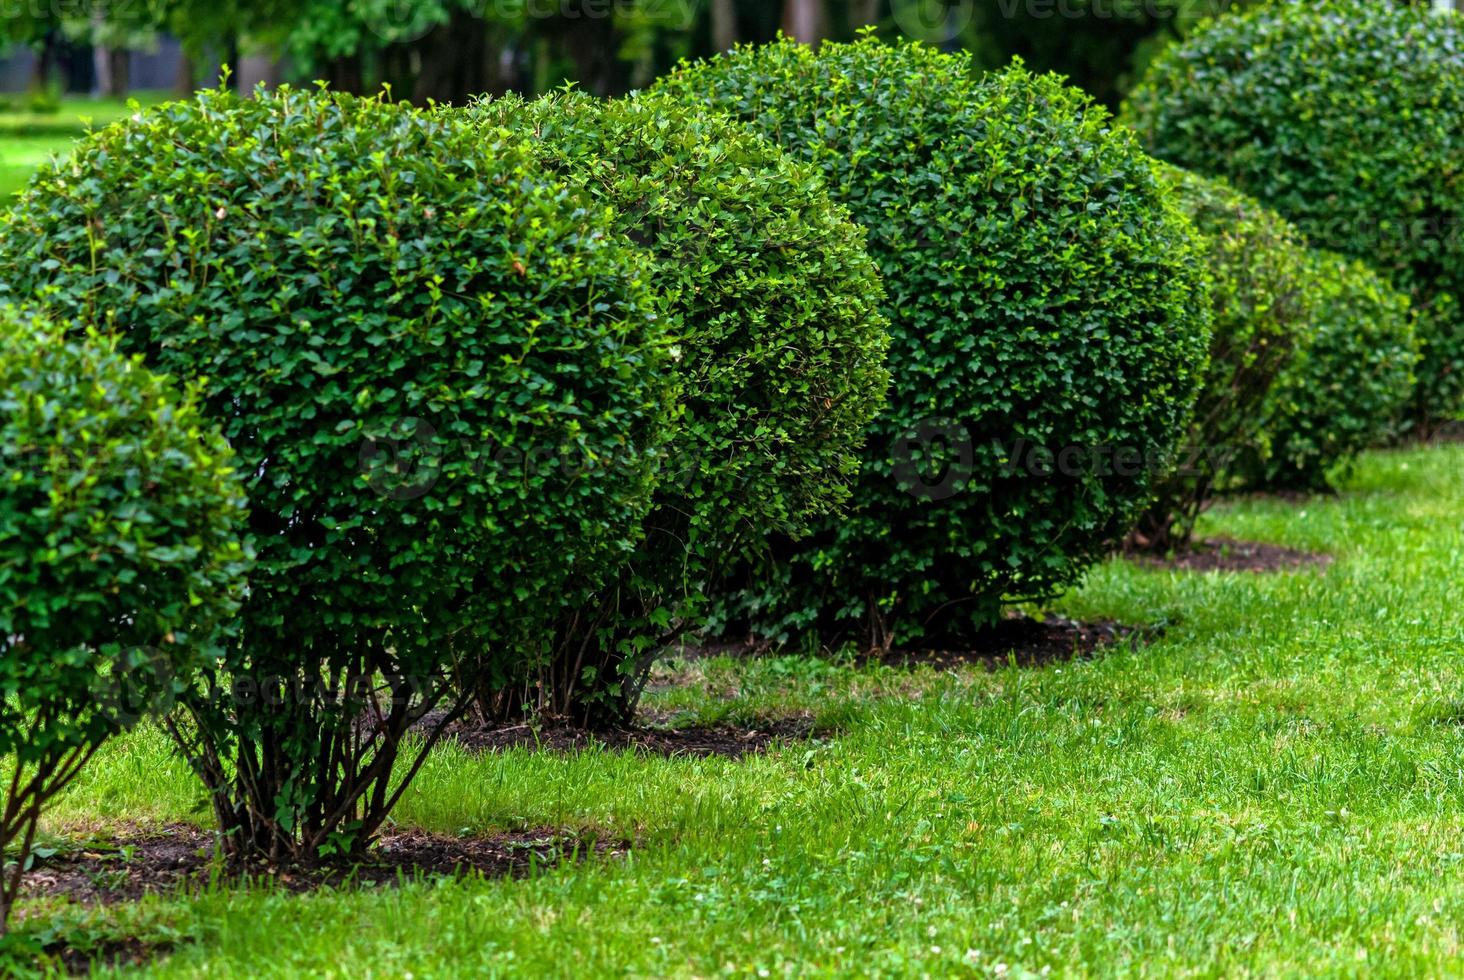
column 449, row 50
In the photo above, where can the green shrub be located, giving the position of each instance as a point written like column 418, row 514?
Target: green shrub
column 1348, row 119
column 780, row 352
column 1264, row 296
column 441, row 373
column 120, row 557
column 43, row 102
column 1348, row 383
column 1048, row 329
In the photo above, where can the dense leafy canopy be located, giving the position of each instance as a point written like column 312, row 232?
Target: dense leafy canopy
column 780, row 341
column 440, row 372
column 1348, row 119
column 1344, row 390
column 1264, row 300
column 1046, row 313
column 120, row 518
column 452, row 50
column 120, row 555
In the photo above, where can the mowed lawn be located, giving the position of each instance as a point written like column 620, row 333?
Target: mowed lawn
column 1274, row 786
column 28, row 139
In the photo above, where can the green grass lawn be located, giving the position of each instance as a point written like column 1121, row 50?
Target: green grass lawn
column 27, row 139
column 1276, row 786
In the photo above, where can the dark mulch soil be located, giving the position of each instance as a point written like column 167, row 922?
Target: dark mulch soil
column 121, row 869
column 1030, row 642
column 80, row 959
column 1447, row 434
column 130, row 865
column 696, row 741
column 1021, row 639
column 1224, row 555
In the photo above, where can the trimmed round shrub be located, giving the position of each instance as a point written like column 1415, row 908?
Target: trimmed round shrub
column 120, row 556
column 1348, row 119
column 1265, row 297
column 443, row 376
column 1048, row 329
column 776, row 308
column 1347, row 384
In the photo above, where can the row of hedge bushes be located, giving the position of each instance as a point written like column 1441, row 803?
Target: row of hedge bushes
column 1042, row 287
column 1311, row 361
column 847, row 344
column 1348, row 120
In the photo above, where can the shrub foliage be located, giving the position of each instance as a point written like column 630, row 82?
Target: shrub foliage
column 441, row 374
column 120, row 557
column 1347, row 385
column 780, row 343
column 1348, row 119
column 1048, row 328
column 1264, row 299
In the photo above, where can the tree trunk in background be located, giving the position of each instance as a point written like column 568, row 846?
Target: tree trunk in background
column 255, row 69
column 44, row 65
column 500, row 63
column 454, row 60
column 724, row 25
column 104, row 60
column 345, row 75
column 592, row 44
column 119, row 72
column 863, row 12
column 803, row 20
column 187, row 81
column 112, row 65
column 102, row 68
